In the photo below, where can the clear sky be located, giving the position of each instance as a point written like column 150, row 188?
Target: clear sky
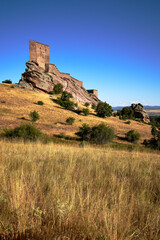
column 110, row 45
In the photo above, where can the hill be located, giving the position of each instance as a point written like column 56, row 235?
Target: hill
column 16, row 103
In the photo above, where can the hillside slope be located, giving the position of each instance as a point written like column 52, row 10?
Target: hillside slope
column 16, row 104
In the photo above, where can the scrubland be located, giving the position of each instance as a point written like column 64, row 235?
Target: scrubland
column 50, row 191
column 16, row 103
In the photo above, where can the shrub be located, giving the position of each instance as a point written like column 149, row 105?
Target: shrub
column 70, row 120
column 127, row 113
column 84, row 132
column 58, row 88
column 34, row 116
column 93, row 106
column 40, row 103
column 85, row 111
column 101, row 134
column 104, row 109
column 51, row 92
column 128, row 122
column 132, row 136
column 65, row 102
column 66, row 96
column 7, row 81
column 86, row 104
column 155, row 141
column 27, row 131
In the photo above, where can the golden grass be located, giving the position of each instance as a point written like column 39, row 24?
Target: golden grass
column 63, row 192
column 19, row 103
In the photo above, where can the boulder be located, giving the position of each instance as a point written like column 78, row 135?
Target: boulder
column 37, row 78
column 140, row 112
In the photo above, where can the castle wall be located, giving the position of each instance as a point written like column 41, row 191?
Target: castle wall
column 32, row 51
column 39, row 53
column 93, row 91
column 80, row 83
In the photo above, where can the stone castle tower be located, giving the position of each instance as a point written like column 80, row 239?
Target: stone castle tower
column 40, row 53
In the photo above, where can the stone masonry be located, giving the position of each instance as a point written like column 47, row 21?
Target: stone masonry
column 42, row 76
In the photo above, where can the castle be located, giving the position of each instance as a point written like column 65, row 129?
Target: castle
column 40, row 53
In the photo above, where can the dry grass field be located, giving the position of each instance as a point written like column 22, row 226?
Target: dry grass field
column 16, row 103
column 153, row 112
column 62, row 192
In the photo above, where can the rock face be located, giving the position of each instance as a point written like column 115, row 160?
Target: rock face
column 139, row 112
column 35, row 77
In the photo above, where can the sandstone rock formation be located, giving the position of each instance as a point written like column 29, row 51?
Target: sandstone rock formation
column 139, row 112
column 36, row 77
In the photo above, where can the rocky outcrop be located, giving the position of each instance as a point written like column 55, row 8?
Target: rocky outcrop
column 37, row 78
column 139, row 112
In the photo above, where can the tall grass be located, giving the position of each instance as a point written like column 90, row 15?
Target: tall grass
column 63, row 192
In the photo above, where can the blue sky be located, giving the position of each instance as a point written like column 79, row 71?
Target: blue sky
column 110, row 45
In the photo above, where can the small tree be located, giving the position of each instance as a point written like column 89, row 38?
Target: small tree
column 104, row 109
column 84, row 132
column 85, row 111
column 26, row 131
column 58, row 88
column 101, row 134
column 93, row 106
column 86, row 104
column 34, row 116
column 66, row 96
column 70, row 120
column 7, row 81
column 40, row 103
column 65, row 102
column 127, row 113
column 132, row 136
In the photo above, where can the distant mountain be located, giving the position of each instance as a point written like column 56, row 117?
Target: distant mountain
column 147, row 107
column 151, row 107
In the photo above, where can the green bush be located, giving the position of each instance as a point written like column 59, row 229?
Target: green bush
column 101, row 134
column 103, row 109
column 155, row 141
column 70, row 120
column 40, row 103
column 7, row 81
column 27, row 132
column 127, row 113
column 86, row 104
column 58, row 88
column 65, row 102
column 51, row 92
column 84, row 132
column 128, row 122
column 34, row 116
column 85, row 111
column 132, row 136
column 66, row 96
column 93, row 106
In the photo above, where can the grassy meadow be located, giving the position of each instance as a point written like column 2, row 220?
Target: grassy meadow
column 51, row 191
column 16, row 103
